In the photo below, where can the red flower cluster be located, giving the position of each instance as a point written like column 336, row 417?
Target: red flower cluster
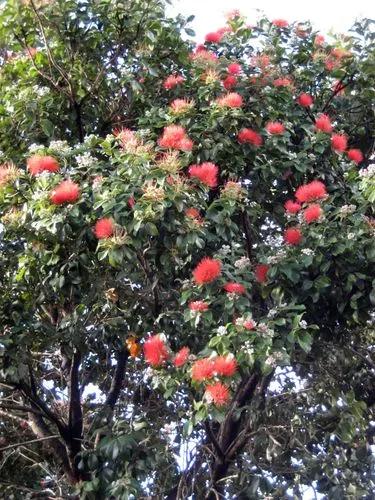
column 202, row 369
column 323, row 123
column 38, row 164
column 236, row 288
column 292, row 207
column 249, row 325
column 225, row 366
column 155, row 351
column 181, row 357
column 231, row 100
column 217, row 393
column 203, row 56
column 104, row 228
column 175, row 137
column 275, row 128
column 229, row 82
column 207, row 270
column 282, row 82
column 292, row 236
column 214, row 37
column 193, row 213
column 261, row 271
column 312, row 213
column 206, row 172
column 247, row 135
column 339, row 142
column 319, row 40
column 172, row 81
column 181, row 105
column 66, row 192
column 312, row 191
column 355, row 155
column 305, row 100
column 234, row 69
column 198, row 305
column 280, row 23
column 206, row 368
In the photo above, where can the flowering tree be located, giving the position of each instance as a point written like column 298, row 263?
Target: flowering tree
column 187, row 254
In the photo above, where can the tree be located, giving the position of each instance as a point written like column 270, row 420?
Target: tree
column 187, row 254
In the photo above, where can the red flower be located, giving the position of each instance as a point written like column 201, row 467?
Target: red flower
column 355, row 155
column 323, row 123
column 234, row 68
column 293, row 236
column 217, row 393
column 207, row 270
column 181, row 105
column 38, row 164
column 181, row 357
column 312, row 191
column 202, row 369
column 275, row 128
column 131, row 201
column 247, row 135
column 312, row 213
column 261, row 271
column 229, row 82
column 225, row 366
column 172, row 80
column 319, row 40
column 206, row 172
column 104, row 228
column 282, row 82
column 65, row 192
column 339, row 142
column 198, row 305
column 193, row 213
column 305, row 100
column 234, row 288
column 280, row 23
column 214, row 37
column 186, row 144
column 292, row 207
column 249, row 325
column 231, row 100
column 174, row 137
column 155, row 351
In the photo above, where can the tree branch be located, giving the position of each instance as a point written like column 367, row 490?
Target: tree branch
column 118, row 378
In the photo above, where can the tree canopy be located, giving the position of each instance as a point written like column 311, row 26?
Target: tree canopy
column 186, row 255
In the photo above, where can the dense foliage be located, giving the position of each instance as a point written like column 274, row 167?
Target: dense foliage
column 187, row 256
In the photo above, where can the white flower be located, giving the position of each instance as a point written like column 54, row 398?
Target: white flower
column 274, row 358
column 85, row 160
column 89, row 138
column 279, row 256
column 60, row 147
column 224, row 250
column 242, row 263
column 307, row 251
column 351, row 236
column 303, row 324
column 40, row 91
column 367, row 172
column 347, row 209
column 35, row 147
column 221, row 330
column 272, row 313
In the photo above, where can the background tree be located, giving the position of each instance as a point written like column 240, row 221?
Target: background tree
column 187, row 253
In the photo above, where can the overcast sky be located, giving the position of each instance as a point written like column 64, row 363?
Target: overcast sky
column 324, row 14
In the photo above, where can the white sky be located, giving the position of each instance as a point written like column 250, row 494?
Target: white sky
column 338, row 15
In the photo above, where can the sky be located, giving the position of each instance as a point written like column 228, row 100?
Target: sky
column 324, row 14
